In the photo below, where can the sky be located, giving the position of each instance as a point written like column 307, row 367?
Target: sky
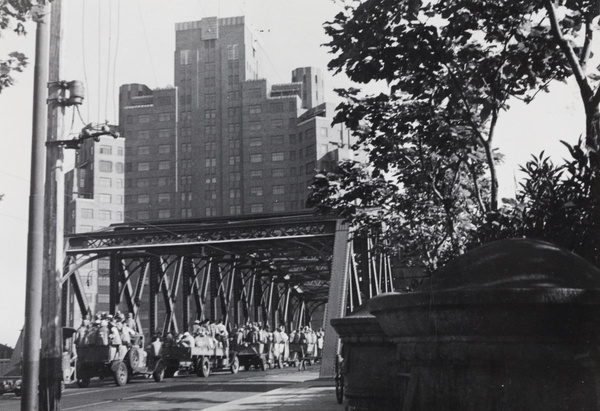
column 114, row 42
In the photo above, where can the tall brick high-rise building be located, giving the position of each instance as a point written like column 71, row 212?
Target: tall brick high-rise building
column 224, row 141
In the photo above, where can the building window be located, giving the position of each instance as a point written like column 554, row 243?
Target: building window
column 208, row 114
column 209, row 82
column 234, row 160
column 164, row 133
column 235, row 177
column 210, row 162
column 119, row 167
column 164, row 213
column 105, row 150
column 277, row 156
column 211, row 211
column 186, row 148
column 143, row 215
column 278, row 190
column 256, row 191
column 164, row 165
column 234, row 193
column 185, row 180
column 235, row 210
column 87, row 213
column 210, row 146
column 144, row 134
column 210, row 195
column 143, row 150
column 105, row 182
column 277, row 207
column 143, row 166
column 256, row 109
column 119, row 216
column 164, row 117
column 234, row 128
column 184, row 57
column 104, row 214
column 310, row 168
column 105, row 166
column 256, row 174
column 164, row 149
column 143, row 199
column 255, row 126
column 277, row 172
column 142, row 183
column 232, row 52
column 164, row 198
column 256, row 208
column 144, row 118
column 277, row 140
column 233, row 112
column 119, row 199
column 276, row 108
column 256, row 158
column 277, row 123
column 120, row 151
column 186, row 212
column 119, row 183
column 235, row 144
column 105, row 198
column 255, row 141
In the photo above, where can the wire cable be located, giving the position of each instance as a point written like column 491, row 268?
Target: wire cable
column 99, row 59
column 115, row 62
column 83, row 53
column 108, row 59
column 147, row 44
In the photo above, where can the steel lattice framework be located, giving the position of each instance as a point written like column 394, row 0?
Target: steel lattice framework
column 269, row 269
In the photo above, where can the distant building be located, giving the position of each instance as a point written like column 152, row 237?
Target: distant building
column 223, row 141
column 94, row 192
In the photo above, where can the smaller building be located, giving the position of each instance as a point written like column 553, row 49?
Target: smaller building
column 94, row 192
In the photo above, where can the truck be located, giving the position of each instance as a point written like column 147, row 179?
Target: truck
column 207, row 354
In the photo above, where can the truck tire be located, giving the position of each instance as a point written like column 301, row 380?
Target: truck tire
column 159, row 372
column 235, row 365
column 134, row 358
column 120, row 373
column 83, row 381
column 203, row 367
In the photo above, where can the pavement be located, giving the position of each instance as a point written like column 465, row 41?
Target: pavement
column 313, row 394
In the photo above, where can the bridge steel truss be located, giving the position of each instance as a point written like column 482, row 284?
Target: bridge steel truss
column 277, row 270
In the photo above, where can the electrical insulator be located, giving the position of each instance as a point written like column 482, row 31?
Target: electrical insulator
column 76, row 92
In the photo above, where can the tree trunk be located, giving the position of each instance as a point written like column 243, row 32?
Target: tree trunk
column 592, row 112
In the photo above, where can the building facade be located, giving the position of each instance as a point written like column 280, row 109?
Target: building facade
column 94, row 199
column 224, row 141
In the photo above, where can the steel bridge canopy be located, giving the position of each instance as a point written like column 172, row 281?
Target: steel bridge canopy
column 274, row 269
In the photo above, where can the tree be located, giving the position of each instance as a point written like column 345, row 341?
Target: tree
column 451, row 67
column 13, row 15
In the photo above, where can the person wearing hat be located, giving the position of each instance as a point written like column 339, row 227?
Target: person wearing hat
column 196, row 328
column 187, row 340
column 130, row 322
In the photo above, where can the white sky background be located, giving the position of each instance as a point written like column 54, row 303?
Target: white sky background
column 112, row 42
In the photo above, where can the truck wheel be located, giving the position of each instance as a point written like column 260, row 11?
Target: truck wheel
column 235, row 365
column 159, row 372
column 83, row 382
column 134, row 358
column 120, row 373
column 203, row 367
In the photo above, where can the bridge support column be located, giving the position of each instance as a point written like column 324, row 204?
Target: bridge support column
column 336, row 303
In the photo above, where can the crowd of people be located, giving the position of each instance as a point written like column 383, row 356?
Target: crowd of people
column 106, row 329
column 121, row 330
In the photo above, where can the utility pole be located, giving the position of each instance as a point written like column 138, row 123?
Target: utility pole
column 51, row 350
column 35, row 247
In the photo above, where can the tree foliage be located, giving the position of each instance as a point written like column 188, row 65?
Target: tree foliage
column 13, row 15
column 451, row 68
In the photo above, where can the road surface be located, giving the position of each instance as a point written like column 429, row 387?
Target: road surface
column 186, row 392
